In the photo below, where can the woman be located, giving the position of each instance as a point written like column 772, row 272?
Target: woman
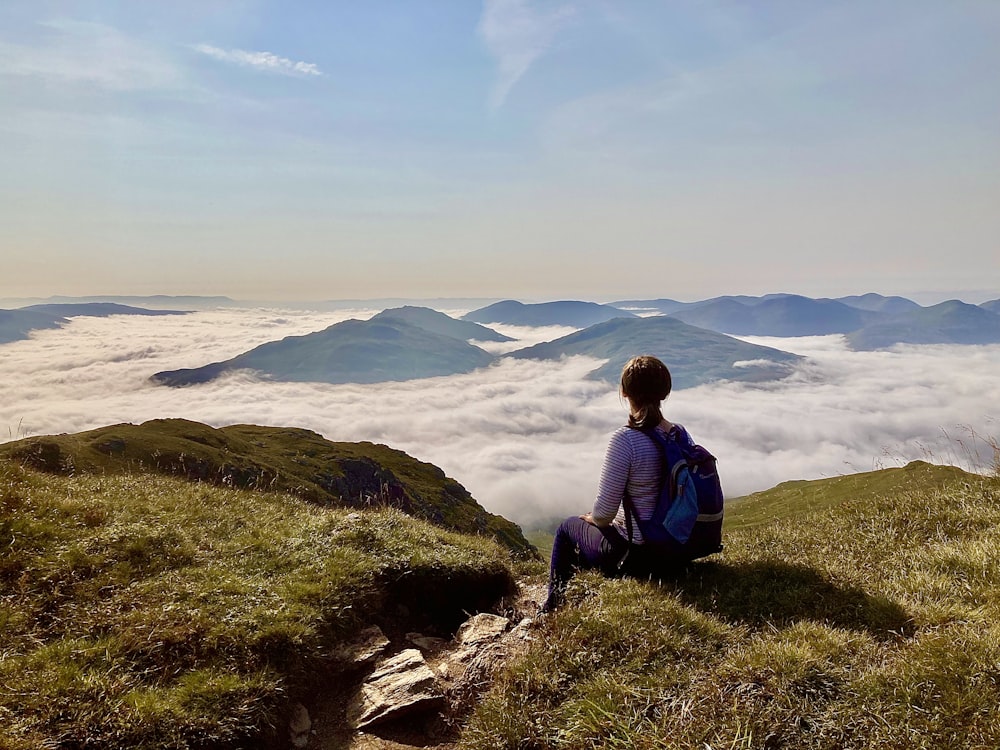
column 633, row 464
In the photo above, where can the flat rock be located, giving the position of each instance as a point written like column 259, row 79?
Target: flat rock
column 427, row 644
column 400, row 685
column 369, row 645
column 480, row 629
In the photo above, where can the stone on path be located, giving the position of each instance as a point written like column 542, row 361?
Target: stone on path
column 365, row 648
column 400, row 685
column 480, row 629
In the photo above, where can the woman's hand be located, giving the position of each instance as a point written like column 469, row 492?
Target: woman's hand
column 588, row 518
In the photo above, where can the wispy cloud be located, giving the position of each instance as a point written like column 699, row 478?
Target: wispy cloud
column 517, row 34
column 72, row 52
column 265, row 61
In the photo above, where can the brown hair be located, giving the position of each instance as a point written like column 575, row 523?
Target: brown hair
column 645, row 383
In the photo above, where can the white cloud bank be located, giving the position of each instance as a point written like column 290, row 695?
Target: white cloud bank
column 265, row 61
column 526, row 438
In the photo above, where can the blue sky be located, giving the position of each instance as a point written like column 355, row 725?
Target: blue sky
column 540, row 150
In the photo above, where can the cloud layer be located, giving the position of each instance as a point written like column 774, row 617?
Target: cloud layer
column 526, row 438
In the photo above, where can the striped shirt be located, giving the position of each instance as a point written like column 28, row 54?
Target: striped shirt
column 635, row 462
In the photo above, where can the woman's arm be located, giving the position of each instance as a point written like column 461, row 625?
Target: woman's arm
column 614, row 478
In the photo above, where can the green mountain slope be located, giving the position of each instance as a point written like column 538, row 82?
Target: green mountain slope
column 857, row 612
column 799, row 497
column 354, row 351
column 694, row 355
column 291, row 460
column 144, row 611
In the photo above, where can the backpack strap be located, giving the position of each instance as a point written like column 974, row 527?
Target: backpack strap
column 660, row 442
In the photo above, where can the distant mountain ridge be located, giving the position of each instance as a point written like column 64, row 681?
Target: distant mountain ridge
column 18, row 323
column 438, row 322
column 353, row 351
column 869, row 321
column 98, row 309
column 694, row 355
column 951, row 322
column 785, row 315
column 572, row 313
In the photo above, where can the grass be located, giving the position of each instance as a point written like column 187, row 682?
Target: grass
column 856, row 612
column 140, row 610
column 283, row 459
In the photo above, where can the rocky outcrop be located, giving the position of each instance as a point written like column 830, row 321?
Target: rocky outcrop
column 402, row 684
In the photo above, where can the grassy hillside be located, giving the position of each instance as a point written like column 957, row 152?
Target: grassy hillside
column 145, row 611
column 291, row 460
column 856, row 612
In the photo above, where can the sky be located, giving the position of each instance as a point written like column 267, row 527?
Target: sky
column 590, row 149
column 526, row 438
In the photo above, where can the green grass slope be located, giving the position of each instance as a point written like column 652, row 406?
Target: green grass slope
column 145, row 611
column 864, row 613
column 292, row 460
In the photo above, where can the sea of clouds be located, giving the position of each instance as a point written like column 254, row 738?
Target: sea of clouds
column 525, row 437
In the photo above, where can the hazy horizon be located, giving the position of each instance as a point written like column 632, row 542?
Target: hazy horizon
column 576, row 149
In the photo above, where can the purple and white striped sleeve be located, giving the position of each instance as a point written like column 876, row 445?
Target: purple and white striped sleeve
column 614, row 478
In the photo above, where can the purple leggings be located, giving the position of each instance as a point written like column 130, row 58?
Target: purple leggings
column 579, row 544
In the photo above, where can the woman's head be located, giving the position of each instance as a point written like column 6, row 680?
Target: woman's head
column 645, row 383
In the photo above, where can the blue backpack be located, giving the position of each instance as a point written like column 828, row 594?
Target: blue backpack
column 687, row 521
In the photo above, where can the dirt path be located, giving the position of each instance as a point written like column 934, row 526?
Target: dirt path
column 462, row 677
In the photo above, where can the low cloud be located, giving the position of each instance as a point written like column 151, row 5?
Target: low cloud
column 265, row 61
column 525, row 437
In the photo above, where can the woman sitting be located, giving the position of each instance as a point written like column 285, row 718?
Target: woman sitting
column 633, row 464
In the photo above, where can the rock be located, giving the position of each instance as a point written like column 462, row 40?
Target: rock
column 427, row 644
column 299, row 726
column 481, row 629
column 400, row 685
column 369, row 645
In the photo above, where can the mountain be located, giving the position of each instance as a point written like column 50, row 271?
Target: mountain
column 17, row 324
column 438, row 322
column 157, row 301
column 564, row 313
column 97, row 309
column 951, row 322
column 878, row 303
column 144, row 611
column 664, row 306
column 694, row 355
column 296, row 461
column 354, row 351
column 777, row 315
column 993, row 305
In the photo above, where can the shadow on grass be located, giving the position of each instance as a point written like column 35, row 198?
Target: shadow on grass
column 782, row 593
